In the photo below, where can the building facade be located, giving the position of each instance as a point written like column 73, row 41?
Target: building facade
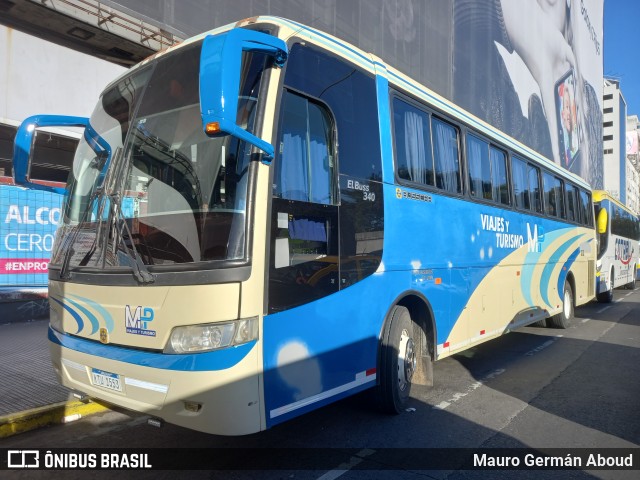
column 614, row 125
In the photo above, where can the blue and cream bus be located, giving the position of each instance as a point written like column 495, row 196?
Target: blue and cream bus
column 305, row 223
column 618, row 234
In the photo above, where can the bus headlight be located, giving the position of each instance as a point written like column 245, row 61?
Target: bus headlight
column 212, row 336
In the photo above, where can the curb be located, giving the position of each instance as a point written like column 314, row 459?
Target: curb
column 63, row 412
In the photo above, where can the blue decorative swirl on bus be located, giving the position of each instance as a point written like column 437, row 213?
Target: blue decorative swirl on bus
column 531, row 260
column 73, row 313
column 108, row 319
column 565, row 270
column 545, row 280
column 92, row 318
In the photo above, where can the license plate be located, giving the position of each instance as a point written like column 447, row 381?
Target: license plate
column 108, row 380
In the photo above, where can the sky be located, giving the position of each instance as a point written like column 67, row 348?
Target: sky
column 621, row 54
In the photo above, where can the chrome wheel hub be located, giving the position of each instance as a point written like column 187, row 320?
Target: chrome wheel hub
column 407, row 360
column 567, row 305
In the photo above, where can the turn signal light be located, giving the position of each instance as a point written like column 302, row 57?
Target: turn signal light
column 212, row 128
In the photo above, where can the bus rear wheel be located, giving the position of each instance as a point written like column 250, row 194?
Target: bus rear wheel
column 563, row 319
column 398, row 361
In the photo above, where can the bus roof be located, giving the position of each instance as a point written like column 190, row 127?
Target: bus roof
column 599, row 195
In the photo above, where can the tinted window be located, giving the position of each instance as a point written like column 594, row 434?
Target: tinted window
column 572, row 202
column 479, row 168
column 445, row 153
column 520, row 183
column 413, row 143
column 305, row 170
column 348, row 92
column 500, row 189
column 586, row 212
column 487, row 171
column 624, row 224
column 533, row 176
column 553, row 200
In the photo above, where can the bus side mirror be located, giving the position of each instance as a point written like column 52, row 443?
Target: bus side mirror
column 23, row 146
column 602, row 221
column 220, row 64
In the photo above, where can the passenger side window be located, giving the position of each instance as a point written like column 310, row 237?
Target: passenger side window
column 324, row 222
column 487, row 171
column 526, row 185
column 426, row 148
column 553, row 199
column 306, row 167
column 479, row 168
column 304, row 228
column 586, row 209
column 520, row 183
column 446, row 155
column 499, row 176
column 533, row 175
column 413, row 143
column 572, row 211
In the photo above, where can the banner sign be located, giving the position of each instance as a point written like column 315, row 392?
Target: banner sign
column 632, row 143
column 533, row 69
column 278, row 459
column 28, row 222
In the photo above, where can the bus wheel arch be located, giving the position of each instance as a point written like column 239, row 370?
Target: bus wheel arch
column 408, row 330
column 572, row 283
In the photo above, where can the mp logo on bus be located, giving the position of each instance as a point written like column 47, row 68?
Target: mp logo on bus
column 624, row 251
column 137, row 321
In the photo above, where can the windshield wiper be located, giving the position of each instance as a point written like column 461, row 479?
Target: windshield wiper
column 69, row 251
column 116, row 215
column 113, row 183
column 140, row 270
column 101, row 163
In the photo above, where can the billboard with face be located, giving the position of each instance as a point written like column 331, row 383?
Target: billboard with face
column 532, row 68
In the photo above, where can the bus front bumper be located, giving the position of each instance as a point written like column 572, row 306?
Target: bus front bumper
column 209, row 392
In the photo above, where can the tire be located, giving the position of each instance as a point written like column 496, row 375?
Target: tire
column 563, row 319
column 540, row 323
column 398, row 361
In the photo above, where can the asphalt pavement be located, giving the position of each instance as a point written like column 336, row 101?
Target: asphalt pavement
column 30, row 395
column 534, row 389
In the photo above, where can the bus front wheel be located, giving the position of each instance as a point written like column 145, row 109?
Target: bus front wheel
column 563, row 319
column 398, row 361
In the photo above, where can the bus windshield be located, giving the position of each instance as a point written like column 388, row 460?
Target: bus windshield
column 171, row 194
